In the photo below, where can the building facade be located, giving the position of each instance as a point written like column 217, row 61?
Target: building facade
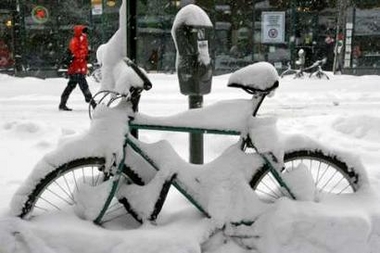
column 35, row 33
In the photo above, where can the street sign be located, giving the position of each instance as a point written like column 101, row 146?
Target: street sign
column 40, row 14
column 273, row 27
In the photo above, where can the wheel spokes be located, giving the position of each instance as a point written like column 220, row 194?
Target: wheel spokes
column 59, row 194
column 74, row 187
column 327, row 177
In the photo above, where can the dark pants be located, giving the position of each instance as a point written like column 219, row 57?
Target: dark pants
column 73, row 81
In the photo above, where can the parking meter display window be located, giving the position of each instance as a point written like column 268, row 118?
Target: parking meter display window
column 204, row 56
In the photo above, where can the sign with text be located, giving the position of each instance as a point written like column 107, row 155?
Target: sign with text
column 96, row 7
column 273, row 27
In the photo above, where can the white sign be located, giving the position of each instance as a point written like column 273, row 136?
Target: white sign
column 273, row 27
column 97, row 9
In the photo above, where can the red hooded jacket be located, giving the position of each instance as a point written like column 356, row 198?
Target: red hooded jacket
column 79, row 48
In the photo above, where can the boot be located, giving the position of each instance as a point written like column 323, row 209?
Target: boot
column 64, row 108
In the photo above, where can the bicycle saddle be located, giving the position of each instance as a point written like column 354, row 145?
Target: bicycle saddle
column 260, row 77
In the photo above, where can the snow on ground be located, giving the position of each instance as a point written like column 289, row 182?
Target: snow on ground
column 342, row 113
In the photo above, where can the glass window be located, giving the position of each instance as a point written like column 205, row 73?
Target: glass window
column 245, row 31
column 48, row 29
column 6, row 40
column 155, row 47
column 366, row 39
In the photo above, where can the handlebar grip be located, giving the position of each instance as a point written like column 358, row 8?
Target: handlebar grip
column 147, row 84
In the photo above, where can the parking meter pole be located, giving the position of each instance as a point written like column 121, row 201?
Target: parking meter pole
column 196, row 139
column 131, row 44
column 193, row 64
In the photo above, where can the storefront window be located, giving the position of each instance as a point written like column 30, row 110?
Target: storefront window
column 234, row 38
column 48, row 28
column 366, row 42
column 6, row 40
column 104, row 20
column 245, row 31
column 40, row 44
column 155, row 47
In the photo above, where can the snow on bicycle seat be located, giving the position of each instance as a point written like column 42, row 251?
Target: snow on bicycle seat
column 260, row 77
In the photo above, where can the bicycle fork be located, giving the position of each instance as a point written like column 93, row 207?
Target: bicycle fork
column 247, row 142
column 114, row 187
column 277, row 175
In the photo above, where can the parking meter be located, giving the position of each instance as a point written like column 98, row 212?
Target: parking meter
column 192, row 31
column 192, row 36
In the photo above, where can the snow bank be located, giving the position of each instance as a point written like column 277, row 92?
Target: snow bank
column 360, row 127
column 312, row 227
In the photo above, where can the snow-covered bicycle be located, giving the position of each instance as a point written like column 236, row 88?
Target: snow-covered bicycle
column 106, row 170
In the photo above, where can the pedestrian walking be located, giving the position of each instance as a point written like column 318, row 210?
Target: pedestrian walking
column 78, row 68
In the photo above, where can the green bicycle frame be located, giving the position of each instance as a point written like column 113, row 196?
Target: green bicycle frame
column 130, row 142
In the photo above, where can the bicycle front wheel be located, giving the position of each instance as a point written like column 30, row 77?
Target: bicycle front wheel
column 61, row 189
column 330, row 175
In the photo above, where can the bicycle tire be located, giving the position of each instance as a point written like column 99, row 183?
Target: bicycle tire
column 330, row 175
column 55, row 191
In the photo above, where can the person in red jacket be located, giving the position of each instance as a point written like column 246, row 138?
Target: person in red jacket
column 78, row 68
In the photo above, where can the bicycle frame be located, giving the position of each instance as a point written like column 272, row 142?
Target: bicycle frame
column 133, row 143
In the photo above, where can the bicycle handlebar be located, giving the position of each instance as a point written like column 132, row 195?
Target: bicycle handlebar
column 147, row 84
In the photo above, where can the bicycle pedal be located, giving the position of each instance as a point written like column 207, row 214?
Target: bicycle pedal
column 242, row 223
column 242, row 230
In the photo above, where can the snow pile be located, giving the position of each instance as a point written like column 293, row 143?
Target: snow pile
column 301, row 183
column 360, row 127
column 312, row 227
column 24, row 128
column 264, row 135
column 89, row 199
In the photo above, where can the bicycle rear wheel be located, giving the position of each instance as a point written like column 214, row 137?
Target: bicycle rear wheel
column 329, row 173
column 62, row 188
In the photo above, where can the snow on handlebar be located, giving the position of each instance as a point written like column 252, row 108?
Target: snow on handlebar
column 140, row 73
